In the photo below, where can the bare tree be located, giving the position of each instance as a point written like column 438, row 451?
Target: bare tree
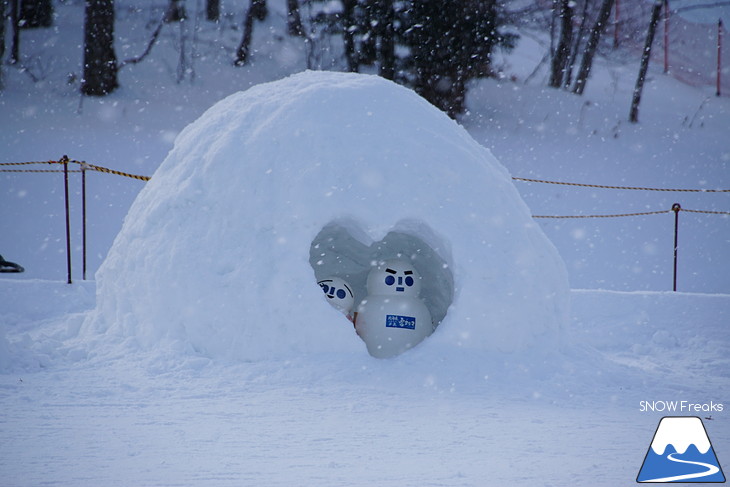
column 213, row 10
column 175, row 11
column 348, row 35
column 577, row 44
column 148, row 49
column 15, row 26
column 259, row 9
column 294, row 18
column 100, row 61
column 386, row 32
column 646, row 55
column 562, row 52
column 36, row 13
column 245, row 45
column 3, row 4
column 591, row 46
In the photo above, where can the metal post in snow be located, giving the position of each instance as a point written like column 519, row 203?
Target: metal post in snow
column 719, row 55
column 675, row 208
column 83, row 217
column 64, row 161
column 666, row 36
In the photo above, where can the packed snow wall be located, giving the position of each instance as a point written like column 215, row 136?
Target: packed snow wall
column 218, row 254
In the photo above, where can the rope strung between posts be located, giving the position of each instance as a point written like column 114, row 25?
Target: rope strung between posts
column 66, row 160
column 6, row 266
column 708, row 212
column 633, row 188
column 38, row 170
column 87, row 166
column 111, row 171
column 604, row 216
column 27, row 163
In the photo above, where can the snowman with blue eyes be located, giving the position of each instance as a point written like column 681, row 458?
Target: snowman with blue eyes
column 391, row 319
column 339, row 294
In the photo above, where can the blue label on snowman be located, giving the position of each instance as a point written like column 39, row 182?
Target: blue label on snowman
column 397, row 321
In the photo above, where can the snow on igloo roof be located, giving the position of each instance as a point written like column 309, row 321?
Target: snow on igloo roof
column 222, row 250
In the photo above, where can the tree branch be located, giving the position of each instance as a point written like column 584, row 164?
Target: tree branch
column 146, row 52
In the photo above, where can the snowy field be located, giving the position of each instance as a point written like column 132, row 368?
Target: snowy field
column 159, row 418
column 87, row 398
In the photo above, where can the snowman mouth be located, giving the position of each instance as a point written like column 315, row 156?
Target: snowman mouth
column 400, row 289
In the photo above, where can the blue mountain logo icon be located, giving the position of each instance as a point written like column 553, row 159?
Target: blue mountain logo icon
column 680, row 452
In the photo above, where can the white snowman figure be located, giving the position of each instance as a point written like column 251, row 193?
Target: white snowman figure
column 339, row 294
column 391, row 319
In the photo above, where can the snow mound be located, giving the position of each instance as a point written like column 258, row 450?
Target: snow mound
column 315, row 175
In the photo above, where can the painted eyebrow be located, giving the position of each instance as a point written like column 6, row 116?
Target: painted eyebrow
column 390, row 270
column 407, row 273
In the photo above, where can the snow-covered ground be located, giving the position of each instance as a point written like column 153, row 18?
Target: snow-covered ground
column 80, row 409
column 159, row 418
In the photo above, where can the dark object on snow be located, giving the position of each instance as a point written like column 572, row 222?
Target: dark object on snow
column 6, row 266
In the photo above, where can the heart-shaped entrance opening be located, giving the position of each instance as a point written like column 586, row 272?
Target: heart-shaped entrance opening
column 342, row 256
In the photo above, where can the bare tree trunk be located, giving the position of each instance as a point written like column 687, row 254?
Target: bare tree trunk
column 260, row 10
column 175, row 11
column 294, row 18
column 348, row 37
column 245, row 45
column 568, row 78
column 3, row 4
column 213, row 10
column 14, row 25
column 36, row 13
column 562, row 53
column 368, row 52
column 646, row 55
column 591, row 46
column 387, row 39
column 100, row 61
column 3, row 10
column 553, row 9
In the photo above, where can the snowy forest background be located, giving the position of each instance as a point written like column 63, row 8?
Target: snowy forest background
column 153, row 67
column 435, row 48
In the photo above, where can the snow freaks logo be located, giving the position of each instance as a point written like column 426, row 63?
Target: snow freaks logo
column 680, row 452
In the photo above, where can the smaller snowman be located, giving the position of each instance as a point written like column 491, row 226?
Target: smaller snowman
column 339, row 295
column 391, row 319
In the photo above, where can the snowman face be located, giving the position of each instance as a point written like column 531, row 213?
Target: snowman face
column 338, row 293
column 394, row 277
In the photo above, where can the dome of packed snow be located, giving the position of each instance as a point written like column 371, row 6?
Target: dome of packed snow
column 316, row 176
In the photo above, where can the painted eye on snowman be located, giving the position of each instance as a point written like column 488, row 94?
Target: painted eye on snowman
column 341, row 293
column 325, row 288
column 409, row 281
column 389, row 280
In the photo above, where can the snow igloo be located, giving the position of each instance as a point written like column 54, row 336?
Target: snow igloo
column 325, row 174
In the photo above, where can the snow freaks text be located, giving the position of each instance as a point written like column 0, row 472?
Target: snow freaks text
column 680, row 407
